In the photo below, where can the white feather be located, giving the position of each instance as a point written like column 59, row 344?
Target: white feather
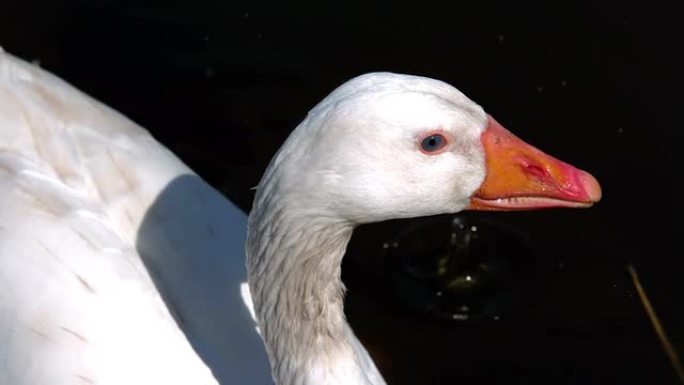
column 91, row 209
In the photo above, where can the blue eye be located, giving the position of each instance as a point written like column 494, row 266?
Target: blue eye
column 433, row 143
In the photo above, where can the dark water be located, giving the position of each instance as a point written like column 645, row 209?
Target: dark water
column 222, row 83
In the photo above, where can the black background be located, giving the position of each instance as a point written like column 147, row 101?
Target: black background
column 596, row 84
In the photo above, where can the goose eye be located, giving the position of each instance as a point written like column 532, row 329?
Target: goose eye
column 433, row 143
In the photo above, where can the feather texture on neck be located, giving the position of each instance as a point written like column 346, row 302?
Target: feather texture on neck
column 294, row 266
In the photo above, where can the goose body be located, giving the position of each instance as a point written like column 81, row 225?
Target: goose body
column 81, row 250
column 119, row 265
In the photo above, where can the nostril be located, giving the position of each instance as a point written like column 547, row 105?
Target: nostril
column 536, row 171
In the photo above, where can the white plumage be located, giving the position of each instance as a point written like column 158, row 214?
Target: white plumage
column 90, row 207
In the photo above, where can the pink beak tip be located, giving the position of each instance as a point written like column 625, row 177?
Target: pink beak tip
column 591, row 186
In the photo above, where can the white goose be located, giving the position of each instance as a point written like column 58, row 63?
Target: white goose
column 119, row 266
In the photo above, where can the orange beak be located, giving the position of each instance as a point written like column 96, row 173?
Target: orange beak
column 521, row 177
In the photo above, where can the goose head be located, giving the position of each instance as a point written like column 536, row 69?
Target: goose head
column 380, row 146
column 387, row 146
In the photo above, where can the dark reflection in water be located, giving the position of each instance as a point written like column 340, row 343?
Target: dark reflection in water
column 528, row 313
column 464, row 270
